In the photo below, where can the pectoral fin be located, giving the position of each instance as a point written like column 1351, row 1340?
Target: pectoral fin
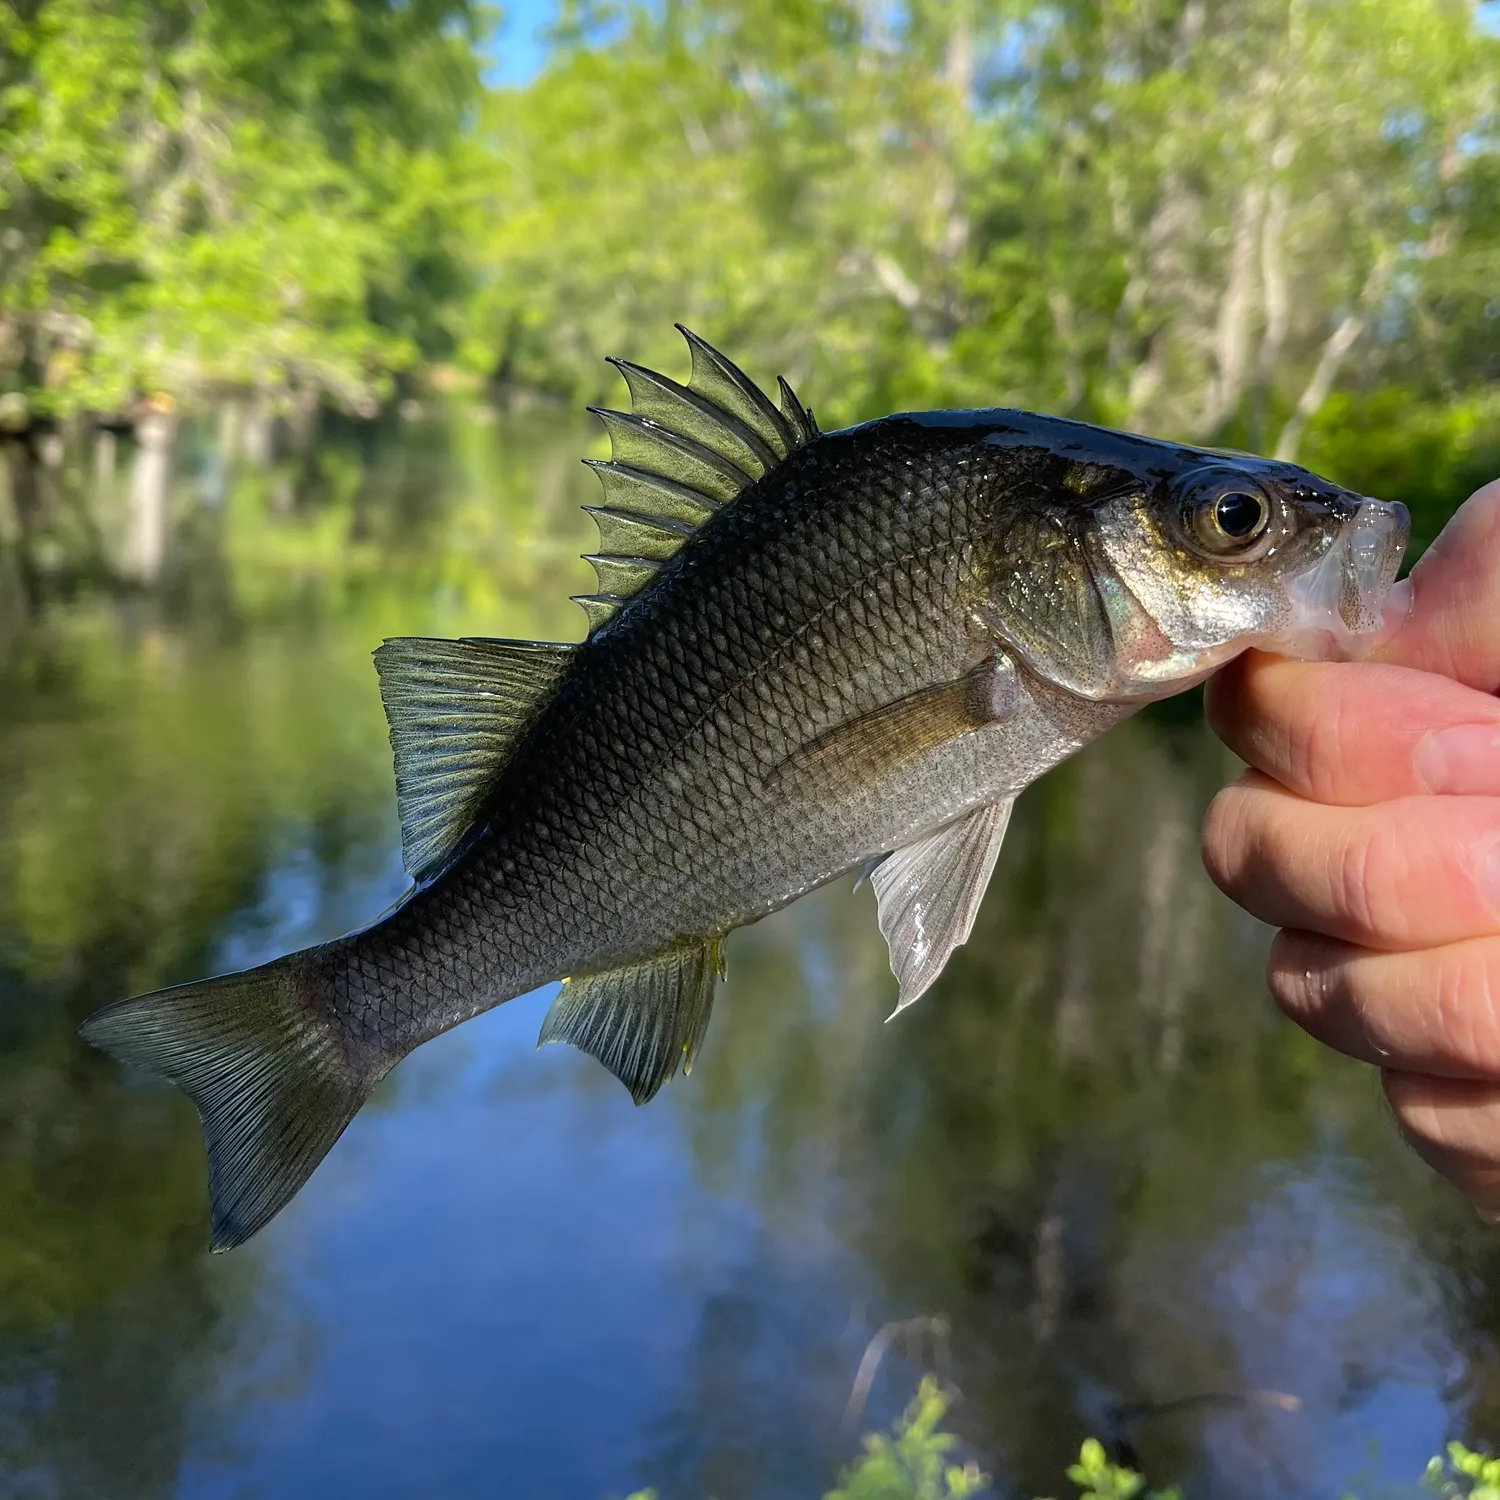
column 644, row 1021
column 890, row 736
column 927, row 894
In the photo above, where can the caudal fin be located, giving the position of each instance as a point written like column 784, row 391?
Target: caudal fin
column 273, row 1088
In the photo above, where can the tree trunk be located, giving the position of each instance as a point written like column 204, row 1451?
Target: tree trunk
column 106, row 453
column 257, row 435
column 26, row 501
column 150, row 484
column 230, row 431
column 1232, row 335
column 1335, row 351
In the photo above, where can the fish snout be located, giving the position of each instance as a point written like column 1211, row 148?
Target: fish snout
column 1374, row 544
column 1335, row 607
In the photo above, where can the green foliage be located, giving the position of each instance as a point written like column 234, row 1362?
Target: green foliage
column 1395, row 441
column 1098, row 1479
column 201, row 195
column 1138, row 213
column 912, row 1461
column 1464, row 1472
column 1133, row 212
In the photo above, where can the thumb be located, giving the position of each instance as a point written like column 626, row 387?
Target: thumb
column 1452, row 600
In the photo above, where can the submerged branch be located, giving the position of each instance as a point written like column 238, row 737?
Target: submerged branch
column 910, row 1331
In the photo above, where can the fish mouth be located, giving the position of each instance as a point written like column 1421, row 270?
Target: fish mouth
column 1334, row 607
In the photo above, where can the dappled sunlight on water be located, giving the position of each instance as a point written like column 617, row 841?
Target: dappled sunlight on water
column 1145, row 1207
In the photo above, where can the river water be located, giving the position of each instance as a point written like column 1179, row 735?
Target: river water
column 1099, row 1185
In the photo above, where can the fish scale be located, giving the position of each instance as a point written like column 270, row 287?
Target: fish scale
column 808, row 653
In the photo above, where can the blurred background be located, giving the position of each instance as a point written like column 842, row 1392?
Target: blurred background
column 299, row 304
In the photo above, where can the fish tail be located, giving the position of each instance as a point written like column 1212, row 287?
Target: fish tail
column 259, row 1055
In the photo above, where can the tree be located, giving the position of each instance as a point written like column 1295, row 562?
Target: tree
column 1186, row 216
column 195, row 195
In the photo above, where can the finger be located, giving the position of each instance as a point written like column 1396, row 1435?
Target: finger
column 1432, row 1011
column 1452, row 625
column 1454, row 1126
column 1357, row 734
column 1412, row 873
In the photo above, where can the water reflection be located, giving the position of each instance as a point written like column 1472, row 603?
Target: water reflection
column 1146, row 1206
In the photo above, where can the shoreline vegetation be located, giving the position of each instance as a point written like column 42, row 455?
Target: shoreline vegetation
column 1267, row 224
column 918, row 1459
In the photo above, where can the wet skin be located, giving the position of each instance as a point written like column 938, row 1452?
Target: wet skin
column 1368, row 831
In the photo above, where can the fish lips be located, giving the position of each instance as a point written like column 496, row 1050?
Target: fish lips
column 1334, row 608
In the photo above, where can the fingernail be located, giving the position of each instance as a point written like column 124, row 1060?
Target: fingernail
column 1461, row 761
column 1487, row 1215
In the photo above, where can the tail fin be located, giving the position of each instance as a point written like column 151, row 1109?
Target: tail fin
column 273, row 1087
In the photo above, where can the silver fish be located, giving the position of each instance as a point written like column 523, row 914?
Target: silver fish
column 807, row 653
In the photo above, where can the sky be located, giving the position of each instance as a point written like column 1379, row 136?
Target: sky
column 516, row 48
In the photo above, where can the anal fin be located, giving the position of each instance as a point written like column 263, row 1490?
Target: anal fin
column 928, row 893
column 643, row 1021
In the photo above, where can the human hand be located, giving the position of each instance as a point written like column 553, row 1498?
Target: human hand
column 1368, row 831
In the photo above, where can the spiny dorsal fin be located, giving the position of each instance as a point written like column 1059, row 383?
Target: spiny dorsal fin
column 643, row 1021
column 457, row 710
column 680, row 453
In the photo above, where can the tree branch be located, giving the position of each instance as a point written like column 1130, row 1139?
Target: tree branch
column 1335, row 350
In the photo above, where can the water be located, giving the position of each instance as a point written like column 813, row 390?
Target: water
column 1144, row 1205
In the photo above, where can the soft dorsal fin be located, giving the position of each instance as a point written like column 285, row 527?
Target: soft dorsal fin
column 457, row 710
column 680, row 453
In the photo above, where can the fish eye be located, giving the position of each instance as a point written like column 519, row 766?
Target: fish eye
column 1239, row 515
column 1228, row 518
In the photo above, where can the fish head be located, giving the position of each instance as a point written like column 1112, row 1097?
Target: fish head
column 1197, row 565
column 1173, row 560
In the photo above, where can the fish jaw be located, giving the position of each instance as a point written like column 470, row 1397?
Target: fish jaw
column 1335, row 607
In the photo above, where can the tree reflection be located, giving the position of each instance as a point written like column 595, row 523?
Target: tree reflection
column 1147, row 1206
column 190, row 773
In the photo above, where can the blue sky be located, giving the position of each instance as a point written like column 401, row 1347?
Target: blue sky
column 516, row 49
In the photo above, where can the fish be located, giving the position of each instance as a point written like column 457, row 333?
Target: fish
column 808, row 654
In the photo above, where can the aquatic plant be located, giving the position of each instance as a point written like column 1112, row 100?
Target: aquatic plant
column 915, row 1461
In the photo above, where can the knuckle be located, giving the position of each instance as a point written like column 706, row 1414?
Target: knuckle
column 1370, row 879
column 1321, row 757
column 1413, row 1101
column 1225, row 836
column 1461, row 1017
column 1297, row 983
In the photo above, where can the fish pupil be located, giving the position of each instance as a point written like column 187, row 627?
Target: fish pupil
column 1238, row 515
